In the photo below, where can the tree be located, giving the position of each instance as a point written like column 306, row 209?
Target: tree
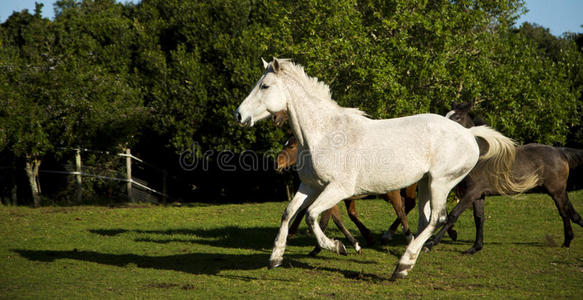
column 67, row 83
column 26, row 58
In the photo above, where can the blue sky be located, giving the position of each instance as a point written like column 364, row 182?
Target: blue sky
column 9, row 6
column 557, row 15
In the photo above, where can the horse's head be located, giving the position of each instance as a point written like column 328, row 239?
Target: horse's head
column 460, row 113
column 267, row 97
column 279, row 118
column 288, row 155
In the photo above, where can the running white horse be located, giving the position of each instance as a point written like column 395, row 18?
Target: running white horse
column 350, row 154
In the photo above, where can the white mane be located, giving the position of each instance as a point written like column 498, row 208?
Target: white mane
column 317, row 89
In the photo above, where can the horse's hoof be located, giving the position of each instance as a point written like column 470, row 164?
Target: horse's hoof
column 565, row 245
column 452, row 234
column 274, row 263
column 315, row 252
column 400, row 272
column 357, row 248
column 387, row 237
column 471, row 251
column 428, row 246
column 409, row 237
column 340, row 249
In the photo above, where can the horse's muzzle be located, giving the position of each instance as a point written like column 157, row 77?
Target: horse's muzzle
column 240, row 121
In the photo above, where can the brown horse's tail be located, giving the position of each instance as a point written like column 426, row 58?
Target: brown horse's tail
column 499, row 160
column 574, row 156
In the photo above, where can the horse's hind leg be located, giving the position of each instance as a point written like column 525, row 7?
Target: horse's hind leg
column 351, row 210
column 479, row 222
column 439, row 188
column 573, row 215
column 302, row 199
column 562, row 203
column 467, row 199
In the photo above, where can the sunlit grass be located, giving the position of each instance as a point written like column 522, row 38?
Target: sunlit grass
column 222, row 252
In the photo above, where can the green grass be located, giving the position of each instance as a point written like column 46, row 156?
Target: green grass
column 222, row 252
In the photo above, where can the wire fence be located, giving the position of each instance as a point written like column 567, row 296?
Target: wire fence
column 81, row 174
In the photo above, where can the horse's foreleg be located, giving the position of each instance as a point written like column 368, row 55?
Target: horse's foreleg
column 293, row 229
column 410, row 195
column 335, row 212
column 396, row 200
column 332, row 194
column 302, row 199
column 351, row 210
column 324, row 220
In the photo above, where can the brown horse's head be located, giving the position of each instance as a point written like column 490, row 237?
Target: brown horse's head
column 460, row 113
column 279, row 118
column 288, row 155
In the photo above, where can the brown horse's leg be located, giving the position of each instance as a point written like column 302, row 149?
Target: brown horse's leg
column 294, row 227
column 351, row 209
column 410, row 196
column 575, row 217
column 324, row 220
column 479, row 222
column 452, row 217
column 560, row 198
column 338, row 221
column 398, row 204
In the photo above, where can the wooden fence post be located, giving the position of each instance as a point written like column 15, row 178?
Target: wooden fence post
column 78, row 180
column 164, row 186
column 129, row 174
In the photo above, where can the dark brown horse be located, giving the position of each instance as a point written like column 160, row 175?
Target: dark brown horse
column 552, row 164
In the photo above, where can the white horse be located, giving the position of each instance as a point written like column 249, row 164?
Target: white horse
column 350, row 154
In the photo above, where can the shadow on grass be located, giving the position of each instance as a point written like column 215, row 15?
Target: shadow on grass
column 194, row 263
column 224, row 237
column 231, row 237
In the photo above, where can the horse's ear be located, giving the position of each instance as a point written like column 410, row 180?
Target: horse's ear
column 276, row 66
column 265, row 64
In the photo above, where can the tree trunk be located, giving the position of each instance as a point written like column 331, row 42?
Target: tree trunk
column 32, row 167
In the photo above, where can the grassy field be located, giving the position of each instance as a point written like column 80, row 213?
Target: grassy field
column 222, row 252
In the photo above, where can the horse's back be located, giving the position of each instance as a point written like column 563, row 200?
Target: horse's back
column 407, row 148
column 548, row 161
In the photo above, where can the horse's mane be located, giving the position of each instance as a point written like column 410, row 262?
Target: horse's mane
column 317, row 89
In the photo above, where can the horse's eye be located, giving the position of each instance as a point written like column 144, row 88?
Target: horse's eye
column 264, row 86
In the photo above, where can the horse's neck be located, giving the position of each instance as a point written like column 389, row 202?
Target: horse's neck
column 310, row 118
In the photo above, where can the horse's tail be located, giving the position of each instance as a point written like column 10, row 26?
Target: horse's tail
column 574, row 156
column 499, row 160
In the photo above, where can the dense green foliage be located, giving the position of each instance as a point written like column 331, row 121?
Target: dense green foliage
column 221, row 252
column 165, row 74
